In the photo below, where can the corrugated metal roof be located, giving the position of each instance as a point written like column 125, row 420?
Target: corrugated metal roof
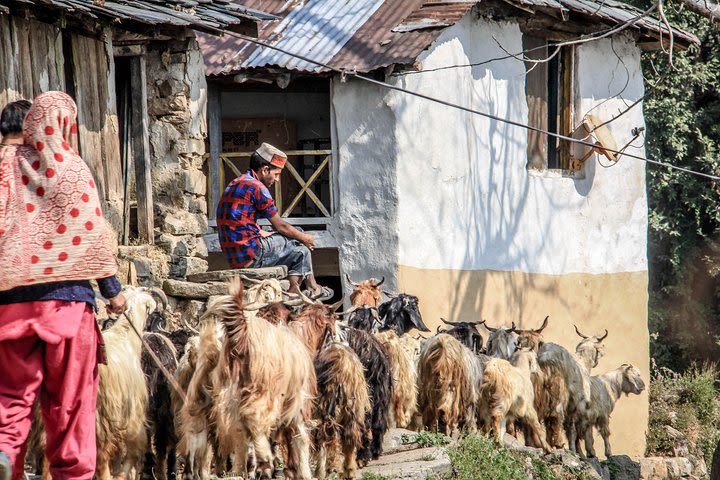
column 368, row 34
column 206, row 15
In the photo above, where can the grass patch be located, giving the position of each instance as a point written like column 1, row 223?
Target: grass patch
column 426, row 439
column 476, row 457
column 428, row 458
column 688, row 403
column 372, row 476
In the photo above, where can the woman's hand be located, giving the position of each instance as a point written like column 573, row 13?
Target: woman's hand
column 117, row 304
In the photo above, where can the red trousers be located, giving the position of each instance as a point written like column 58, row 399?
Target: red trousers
column 64, row 372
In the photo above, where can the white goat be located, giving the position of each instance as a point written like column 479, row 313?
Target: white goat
column 507, row 394
column 605, row 391
column 122, row 393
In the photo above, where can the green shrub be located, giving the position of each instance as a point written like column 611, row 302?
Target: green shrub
column 372, row 476
column 688, row 403
column 426, row 439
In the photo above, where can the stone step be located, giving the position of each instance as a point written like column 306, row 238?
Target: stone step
column 420, row 463
column 264, row 273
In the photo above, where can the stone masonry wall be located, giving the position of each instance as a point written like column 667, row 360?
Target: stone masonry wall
column 176, row 109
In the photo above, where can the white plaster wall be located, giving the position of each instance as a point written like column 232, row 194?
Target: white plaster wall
column 466, row 198
column 365, row 164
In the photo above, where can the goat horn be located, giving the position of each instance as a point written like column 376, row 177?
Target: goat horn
column 578, row 332
column 345, row 312
column 512, row 327
column 490, row 329
column 347, row 277
column 185, row 324
column 542, row 327
column 600, row 339
column 391, row 295
column 419, row 337
column 438, row 330
column 158, row 294
column 294, row 302
column 454, row 324
column 382, row 280
column 337, row 304
column 250, row 280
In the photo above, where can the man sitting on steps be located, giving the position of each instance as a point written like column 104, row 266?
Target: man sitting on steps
column 245, row 245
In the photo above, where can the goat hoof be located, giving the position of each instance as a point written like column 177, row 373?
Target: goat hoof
column 278, row 473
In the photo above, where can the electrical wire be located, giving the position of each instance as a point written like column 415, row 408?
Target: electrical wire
column 345, row 73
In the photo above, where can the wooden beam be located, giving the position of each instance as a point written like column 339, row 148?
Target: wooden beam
column 141, row 149
column 128, row 50
column 215, row 137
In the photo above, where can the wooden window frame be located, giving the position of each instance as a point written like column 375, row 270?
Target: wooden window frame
column 550, row 93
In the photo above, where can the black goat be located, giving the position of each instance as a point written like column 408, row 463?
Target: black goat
column 465, row 333
column 401, row 314
column 374, row 358
column 160, row 413
column 363, row 318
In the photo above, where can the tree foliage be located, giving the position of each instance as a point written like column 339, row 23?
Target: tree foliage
column 683, row 128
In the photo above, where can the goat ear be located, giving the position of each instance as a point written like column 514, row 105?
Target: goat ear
column 417, row 321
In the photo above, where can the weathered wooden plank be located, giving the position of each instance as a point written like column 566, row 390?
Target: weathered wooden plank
column 56, row 61
column 86, row 72
column 21, row 46
column 215, row 134
column 141, row 149
column 37, row 36
column 110, row 131
column 536, row 85
column 8, row 88
column 255, row 273
column 566, row 115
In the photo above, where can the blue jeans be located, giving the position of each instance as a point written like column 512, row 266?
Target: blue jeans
column 279, row 250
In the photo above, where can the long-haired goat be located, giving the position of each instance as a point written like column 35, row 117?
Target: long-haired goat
column 531, row 338
column 196, row 421
column 466, row 333
column 341, row 406
column 605, row 391
column 449, row 377
column 590, row 349
column 502, row 341
column 565, row 389
column 122, row 393
column 507, row 394
column 271, row 379
column 400, row 315
column 378, row 376
column 160, row 459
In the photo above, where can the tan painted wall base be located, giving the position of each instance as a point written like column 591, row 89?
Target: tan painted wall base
column 617, row 302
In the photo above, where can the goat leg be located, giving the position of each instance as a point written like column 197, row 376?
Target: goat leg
column 604, row 429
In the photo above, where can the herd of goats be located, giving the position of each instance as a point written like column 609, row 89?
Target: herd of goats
column 266, row 379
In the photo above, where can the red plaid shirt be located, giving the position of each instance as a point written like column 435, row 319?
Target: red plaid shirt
column 244, row 201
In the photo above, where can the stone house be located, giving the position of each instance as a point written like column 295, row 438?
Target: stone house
column 481, row 219
column 136, row 72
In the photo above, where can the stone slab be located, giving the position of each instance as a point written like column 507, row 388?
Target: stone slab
column 278, row 272
column 178, row 288
column 419, row 464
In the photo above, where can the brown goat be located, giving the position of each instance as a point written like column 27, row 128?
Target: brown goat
column 531, row 339
column 403, row 403
column 449, row 377
column 271, row 379
column 342, row 402
column 366, row 292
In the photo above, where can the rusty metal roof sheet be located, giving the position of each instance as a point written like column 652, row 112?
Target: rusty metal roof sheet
column 205, row 15
column 364, row 35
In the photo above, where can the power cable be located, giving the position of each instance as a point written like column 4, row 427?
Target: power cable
column 345, row 73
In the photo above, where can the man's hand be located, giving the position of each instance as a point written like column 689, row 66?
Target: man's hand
column 264, row 233
column 308, row 241
column 117, row 304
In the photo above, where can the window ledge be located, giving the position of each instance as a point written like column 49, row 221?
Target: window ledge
column 556, row 173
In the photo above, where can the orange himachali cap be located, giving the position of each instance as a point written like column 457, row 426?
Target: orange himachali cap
column 274, row 156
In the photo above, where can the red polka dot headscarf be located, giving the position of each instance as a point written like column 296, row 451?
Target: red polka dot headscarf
column 51, row 224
